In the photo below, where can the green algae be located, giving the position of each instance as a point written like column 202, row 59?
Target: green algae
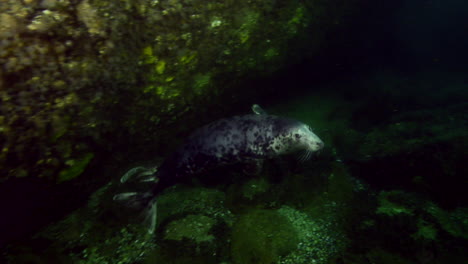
column 75, row 167
column 194, row 227
column 262, row 237
column 426, row 231
column 201, row 83
column 454, row 222
column 391, row 208
column 320, row 238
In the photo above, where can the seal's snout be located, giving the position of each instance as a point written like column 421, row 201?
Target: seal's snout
column 317, row 145
column 320, row 145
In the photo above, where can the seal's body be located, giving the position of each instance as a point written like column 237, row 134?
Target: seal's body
column 246, row 139
column 240, row 139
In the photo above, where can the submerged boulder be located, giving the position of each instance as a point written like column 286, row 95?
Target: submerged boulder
column 262, row 236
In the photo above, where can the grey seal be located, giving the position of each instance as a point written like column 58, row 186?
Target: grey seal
column 247, row 139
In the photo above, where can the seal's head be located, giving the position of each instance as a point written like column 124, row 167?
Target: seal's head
column 306, row 139
column 296, row 137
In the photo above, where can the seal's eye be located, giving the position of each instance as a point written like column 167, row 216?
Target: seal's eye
column 297, row 136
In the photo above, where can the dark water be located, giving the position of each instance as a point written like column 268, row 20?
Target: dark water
column 388, row 96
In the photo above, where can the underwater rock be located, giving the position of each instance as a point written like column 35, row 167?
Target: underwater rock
column 422, row 151
column 89, row 235
column 393, row 203
column 454, row 222
column 384, row 257
column 192, row 235
column 321, row 240
column 417, row 224
column 262, row 237
column 255, row 187
column 192, row 227
column 184, row 201
column 193, row 222
column 285, row 236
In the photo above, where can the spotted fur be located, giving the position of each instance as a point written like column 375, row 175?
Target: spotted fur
column 240, row 139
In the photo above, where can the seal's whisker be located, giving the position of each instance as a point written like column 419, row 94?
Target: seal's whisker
column 299, row 158
column 302, row 156
column 305, row 155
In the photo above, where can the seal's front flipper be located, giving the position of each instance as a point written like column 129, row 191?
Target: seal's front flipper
column 258, row 110
column 253, row 168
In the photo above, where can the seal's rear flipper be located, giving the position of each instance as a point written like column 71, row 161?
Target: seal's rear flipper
column 151, row 216
column 139, row 173
column 141, row 201
column 133, row 200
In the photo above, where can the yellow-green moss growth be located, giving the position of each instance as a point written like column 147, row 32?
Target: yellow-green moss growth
column 75, row 167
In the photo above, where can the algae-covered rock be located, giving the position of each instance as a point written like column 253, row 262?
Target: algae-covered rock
column 455, row 221
column 321, row 240
column 255, row 187
column 414, row 149
column 99, row 232
column 421, row 219
column 193, row 222
column 186, row 201
column 394, row 203
column 286, row 236
column 379, row 255
column 261, row 237
column 194, row 235
column 193, row 227
column 426, row 231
